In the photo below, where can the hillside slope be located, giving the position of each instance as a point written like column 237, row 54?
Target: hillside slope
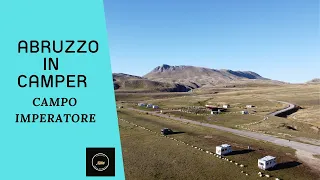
column 126, row 82
column 198, row 76
column 314, row 81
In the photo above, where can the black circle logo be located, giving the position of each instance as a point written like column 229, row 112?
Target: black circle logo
column 100, row 162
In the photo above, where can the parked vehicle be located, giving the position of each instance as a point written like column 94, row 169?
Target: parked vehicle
column 166, row 131
column 223, row 149
column 267, row 162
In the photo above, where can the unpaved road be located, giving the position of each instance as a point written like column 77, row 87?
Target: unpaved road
column 312, row 149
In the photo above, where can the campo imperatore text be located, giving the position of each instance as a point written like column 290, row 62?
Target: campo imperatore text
column 55, row 118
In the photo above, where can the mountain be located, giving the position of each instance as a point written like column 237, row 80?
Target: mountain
column 126, row 82
column 314, row 81
column 202, row 77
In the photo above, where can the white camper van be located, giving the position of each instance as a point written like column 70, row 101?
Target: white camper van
column 267, row 162
column 223, row 149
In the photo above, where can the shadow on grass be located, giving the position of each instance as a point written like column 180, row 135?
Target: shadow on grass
column 177, row 132
column 244, row 151
column 286, row 165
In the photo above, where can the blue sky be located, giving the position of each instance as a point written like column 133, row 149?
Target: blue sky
column 278, row 39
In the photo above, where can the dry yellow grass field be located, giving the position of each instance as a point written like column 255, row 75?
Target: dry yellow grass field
column 303, row 125
column 147, row 155
column 163, row 160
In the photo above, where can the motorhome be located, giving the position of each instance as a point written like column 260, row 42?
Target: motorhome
column 267, row 162
column 223, row 149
